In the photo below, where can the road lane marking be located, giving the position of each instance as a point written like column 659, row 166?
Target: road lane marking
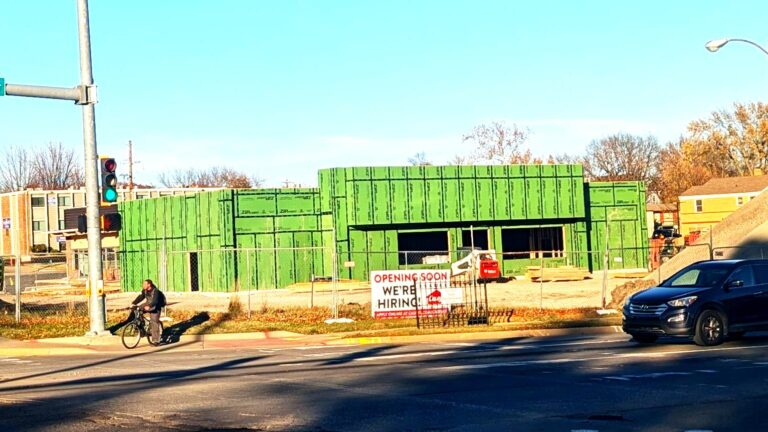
column 4, row 399
column 15, row 360
column 481, row 350
column 650, row 375
column 586, row 359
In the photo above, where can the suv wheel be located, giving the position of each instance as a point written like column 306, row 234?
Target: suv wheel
column 645, row 338
column 710, row 329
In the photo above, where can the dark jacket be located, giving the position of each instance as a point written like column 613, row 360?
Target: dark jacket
column 154, row 299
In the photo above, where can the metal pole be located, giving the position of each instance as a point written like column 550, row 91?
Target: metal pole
column 15, row 249
column 17, row 281
column 95, row 278
column 312, row 293
column 73, row 94
column 250, row 278
column 541, row 283
column 335, row 295
column 605, row 257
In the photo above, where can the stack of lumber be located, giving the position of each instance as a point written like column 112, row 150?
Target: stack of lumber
column 556, row 274
column 631, row 274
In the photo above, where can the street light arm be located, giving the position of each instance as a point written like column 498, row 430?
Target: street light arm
column 756, row 45
column 716, row 44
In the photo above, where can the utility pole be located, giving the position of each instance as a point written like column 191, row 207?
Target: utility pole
column 130, row 168
column 85, row 95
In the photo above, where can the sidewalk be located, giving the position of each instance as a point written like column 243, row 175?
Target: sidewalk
column 84, row 345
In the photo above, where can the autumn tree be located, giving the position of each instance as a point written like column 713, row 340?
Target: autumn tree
column 497, row 144
column 622, row 157
column 732, row 143
column 678, row 169
column 211, row 177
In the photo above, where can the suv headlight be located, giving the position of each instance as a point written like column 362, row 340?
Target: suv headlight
column 682, row 302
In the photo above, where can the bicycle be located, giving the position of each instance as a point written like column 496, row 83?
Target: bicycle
column 136, row 329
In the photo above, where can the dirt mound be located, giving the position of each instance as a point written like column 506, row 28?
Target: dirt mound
column 621, row 292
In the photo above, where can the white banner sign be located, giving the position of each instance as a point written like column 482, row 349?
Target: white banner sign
column 397, row 293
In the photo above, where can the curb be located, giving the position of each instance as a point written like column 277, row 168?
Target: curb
column 477, row 336
column 292, row 339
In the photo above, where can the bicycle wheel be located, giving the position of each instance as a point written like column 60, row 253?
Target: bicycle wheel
column 149, row 335
column 131, row 336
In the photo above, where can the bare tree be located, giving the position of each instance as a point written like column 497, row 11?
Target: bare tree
column 419, row 159
column 211, row 177
column 257, row 182
column 16, row 170
column 56, row 167
column 498, row 143
column 461, row 160
column 622, row 157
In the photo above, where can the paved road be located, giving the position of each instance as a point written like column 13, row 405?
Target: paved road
column 548, row 384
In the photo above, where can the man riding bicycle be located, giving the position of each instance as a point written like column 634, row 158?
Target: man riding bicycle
column 154, row 303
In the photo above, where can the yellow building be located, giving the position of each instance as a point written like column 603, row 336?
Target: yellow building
column 702, row 207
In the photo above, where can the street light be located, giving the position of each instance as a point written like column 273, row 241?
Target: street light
column 716, row 44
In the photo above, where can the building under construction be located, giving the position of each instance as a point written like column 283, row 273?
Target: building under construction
column 381, row 218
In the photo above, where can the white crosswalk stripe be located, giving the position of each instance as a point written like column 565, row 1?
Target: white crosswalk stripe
column 11, row 360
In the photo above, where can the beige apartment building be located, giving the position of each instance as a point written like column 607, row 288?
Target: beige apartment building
column 31, row 218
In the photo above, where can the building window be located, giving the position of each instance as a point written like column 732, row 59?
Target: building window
column 37, row 225
column 38, row 201
column 699, row 206
column 519, row 243
column 65, row 201
column 477, row 238
column 140, row 196
column 61, row 224
column 422, row 247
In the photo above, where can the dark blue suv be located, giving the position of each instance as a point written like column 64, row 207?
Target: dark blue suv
column 708, row 300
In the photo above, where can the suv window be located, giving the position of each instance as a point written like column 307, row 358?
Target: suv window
column 707, row 275
column 761, row 273
column 744, row 274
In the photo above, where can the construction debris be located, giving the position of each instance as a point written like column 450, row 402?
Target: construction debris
column 556, row 274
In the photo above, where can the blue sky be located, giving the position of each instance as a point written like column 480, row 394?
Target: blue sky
column 282, row 88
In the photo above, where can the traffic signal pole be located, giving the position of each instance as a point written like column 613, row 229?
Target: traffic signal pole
column 85, row 95
column 96, row 282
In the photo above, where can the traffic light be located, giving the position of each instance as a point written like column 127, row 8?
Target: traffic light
column 111, row 222
column 108, row 181
column 82, row 224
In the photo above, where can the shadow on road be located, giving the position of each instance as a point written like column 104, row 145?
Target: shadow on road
column 173, row 333
column 526, row 388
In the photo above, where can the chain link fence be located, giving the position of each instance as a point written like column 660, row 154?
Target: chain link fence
column 261, row 278
column 40, row 285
